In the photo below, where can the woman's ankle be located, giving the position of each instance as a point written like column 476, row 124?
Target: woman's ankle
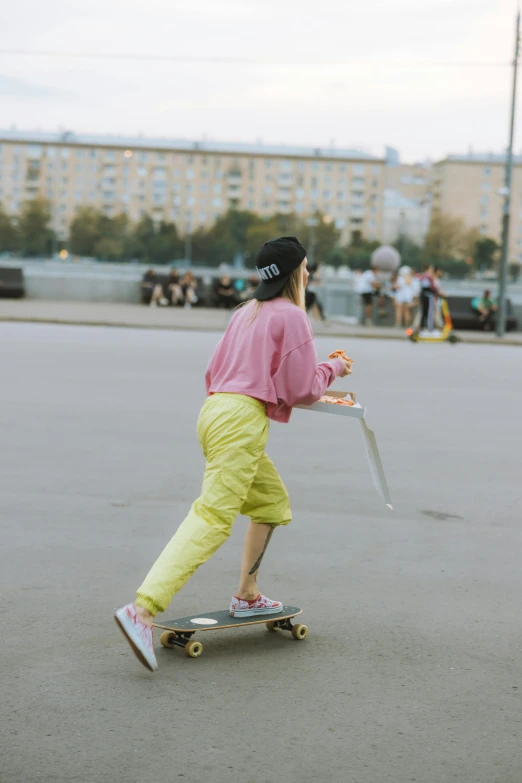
column 144, row 615
column 248, row 594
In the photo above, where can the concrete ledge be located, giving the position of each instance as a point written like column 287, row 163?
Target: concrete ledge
column 202, row 320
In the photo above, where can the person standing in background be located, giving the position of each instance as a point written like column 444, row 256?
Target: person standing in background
column 368, row 286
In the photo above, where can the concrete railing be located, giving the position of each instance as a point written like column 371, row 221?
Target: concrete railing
column 89, row 281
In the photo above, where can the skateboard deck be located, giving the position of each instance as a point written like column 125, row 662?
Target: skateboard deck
column 179, row 632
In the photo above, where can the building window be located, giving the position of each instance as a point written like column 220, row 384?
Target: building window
column 285, row 165
column 486, row 171
column 326, row 194
column 486, row 186
column 358, row 168
column 190, row 174
column 267, row 191
column 268, row 164
column 50, row 152
column 357, row 182
column 217, row 188
column 299, row 206
column 142, row 171
column 216, row 202
column 64, row 153
column 204, row 187
column 142, row 157
column 484, row 200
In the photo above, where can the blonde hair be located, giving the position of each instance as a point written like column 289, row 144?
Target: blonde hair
column 293, row 290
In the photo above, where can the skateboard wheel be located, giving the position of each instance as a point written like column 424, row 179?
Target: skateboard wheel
column 271, row 626
column 300, row 631
column 193, row 649
column 167, row 639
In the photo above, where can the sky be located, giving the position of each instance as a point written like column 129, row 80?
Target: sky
column 346, row 73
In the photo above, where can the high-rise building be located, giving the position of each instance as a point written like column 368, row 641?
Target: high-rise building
column 471, row 187
column 189, row 183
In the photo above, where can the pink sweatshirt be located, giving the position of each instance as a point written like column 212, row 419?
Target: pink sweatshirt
column 271, row 358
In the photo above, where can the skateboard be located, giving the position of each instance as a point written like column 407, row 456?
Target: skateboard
column 179, row 632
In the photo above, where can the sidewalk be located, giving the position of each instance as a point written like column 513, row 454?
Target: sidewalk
column 204, row 320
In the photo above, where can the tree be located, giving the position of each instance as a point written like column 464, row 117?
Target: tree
column 485, row 253
column 228, row 236
column 84, row 231
column 444, row 238
column 468, row 242
column 34, row 227
column 278, row 225
column 9, row 238
column 142, row 237
column 165, row 244
column 325, row 238
column 113, row 238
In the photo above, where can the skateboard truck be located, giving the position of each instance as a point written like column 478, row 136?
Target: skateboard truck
column 297, row 631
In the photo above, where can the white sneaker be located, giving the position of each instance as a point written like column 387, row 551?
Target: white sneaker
column 138, row 635
column 239, row 607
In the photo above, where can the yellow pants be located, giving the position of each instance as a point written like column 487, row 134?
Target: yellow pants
column 239, row 478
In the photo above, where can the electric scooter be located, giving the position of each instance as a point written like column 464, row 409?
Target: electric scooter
column 446, row 334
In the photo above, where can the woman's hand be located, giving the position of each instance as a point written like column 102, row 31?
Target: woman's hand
column 347, row 367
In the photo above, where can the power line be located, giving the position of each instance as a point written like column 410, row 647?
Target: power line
column 185, row 58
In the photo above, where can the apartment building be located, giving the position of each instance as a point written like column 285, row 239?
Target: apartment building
column 468, row 186
column 189, row 183
column 407, row 199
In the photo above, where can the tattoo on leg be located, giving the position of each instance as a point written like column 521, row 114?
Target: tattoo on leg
column 256, row 565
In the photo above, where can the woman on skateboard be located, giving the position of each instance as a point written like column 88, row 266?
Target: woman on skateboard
column 264, row 364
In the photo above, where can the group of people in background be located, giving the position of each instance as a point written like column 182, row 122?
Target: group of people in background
column 416, row 297
column 174, row 291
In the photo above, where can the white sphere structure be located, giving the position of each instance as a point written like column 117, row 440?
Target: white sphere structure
column 386, row 259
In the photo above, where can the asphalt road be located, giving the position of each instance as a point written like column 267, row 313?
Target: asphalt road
column 411, row 671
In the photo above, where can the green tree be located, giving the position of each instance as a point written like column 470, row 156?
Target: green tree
column 141, row 238
column 9, row 238
column 165, row 244
column 84, row 232
column 109, row 248
column 325, row 239
column 228, row 236
column 34, row 227
column 485, row 253
column 114, row 236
